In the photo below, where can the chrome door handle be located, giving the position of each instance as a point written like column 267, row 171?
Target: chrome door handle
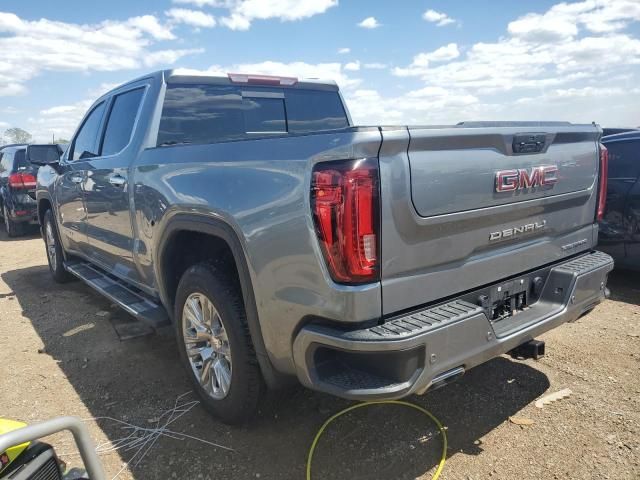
column 117, row 180
column 76, row 178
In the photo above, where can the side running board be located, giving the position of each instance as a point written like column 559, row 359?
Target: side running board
column 135, row 302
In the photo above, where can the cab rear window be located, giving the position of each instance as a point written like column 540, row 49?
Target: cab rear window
column 20, row 160
column 206, row 113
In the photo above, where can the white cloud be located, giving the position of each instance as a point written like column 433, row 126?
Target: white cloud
column 352, row 66
column 31, row 47
column 545, row 50
column 577, row 61
column 147, row 24
column 243, row 12
column 59, row 120
column 168, row 57
column 562, row 21
column 375, row 66
column 195, row 18
column 543, row 28
column 420, row 63
column 439, row 18
column 427, row 105
column 344, row 50
column 236, row 22
column 369, row 22
column 9, row 110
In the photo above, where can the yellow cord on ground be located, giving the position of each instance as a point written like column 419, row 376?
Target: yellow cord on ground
column 443, row 458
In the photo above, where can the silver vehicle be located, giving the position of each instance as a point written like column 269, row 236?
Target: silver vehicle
column 283, row 242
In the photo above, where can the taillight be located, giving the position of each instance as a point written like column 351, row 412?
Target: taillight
column 345, row 205
column 22, row 180
column 602, row 184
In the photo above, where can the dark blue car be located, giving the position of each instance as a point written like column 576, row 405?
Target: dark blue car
column 17, row 189
column 620, row 227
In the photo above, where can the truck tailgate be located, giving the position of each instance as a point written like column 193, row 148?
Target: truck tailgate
column 469, row 205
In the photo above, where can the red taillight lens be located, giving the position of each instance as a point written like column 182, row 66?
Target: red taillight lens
column 22, row 180
column 602, row 185
column 345, row 204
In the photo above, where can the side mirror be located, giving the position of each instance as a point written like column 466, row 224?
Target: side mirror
column 43, row 154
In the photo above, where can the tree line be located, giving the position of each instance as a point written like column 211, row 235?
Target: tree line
column 19, row 135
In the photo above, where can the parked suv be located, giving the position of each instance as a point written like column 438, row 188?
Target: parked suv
column 284, row 242
column 17, row 190
column 620, row 227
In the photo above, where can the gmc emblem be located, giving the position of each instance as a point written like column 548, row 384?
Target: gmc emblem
column 512, row 180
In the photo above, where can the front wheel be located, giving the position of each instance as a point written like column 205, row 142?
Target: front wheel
column 55, row 256
column 215, row 345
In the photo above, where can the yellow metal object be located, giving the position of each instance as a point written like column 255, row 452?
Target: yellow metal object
column 12, row 453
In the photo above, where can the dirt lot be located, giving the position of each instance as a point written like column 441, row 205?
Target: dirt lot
column 60, row 355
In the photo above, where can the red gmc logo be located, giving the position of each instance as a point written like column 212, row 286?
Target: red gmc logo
column 512, row 180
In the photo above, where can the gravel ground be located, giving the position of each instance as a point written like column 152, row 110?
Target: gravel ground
column 60, row 355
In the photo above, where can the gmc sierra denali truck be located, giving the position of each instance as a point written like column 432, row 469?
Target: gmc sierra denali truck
column 283, row 242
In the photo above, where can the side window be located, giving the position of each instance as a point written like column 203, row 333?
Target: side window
column 121, row 119
column 84, row 145
column 624, row 159
column 7, row 159
column 200, row 114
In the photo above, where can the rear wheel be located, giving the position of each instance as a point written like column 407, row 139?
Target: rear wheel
column 215, row 345
column 55, row 256
column 14, row 229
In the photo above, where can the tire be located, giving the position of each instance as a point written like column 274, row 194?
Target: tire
column 14, row 229
column 55, row 254
column 223, row 347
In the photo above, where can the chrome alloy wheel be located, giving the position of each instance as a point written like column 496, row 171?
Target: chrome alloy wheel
column 207, row 345
column 51, row 244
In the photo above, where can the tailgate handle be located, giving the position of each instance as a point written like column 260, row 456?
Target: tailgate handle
column 529, row 142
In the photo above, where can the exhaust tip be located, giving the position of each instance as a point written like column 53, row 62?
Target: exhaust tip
column 443, row 379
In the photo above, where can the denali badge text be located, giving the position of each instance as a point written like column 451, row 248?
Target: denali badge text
column 512, row 232
column 512, row 180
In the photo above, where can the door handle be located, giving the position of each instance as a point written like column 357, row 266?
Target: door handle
column 117, row 180
column 76, row 178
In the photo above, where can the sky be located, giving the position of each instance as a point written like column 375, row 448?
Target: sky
column 401, row 62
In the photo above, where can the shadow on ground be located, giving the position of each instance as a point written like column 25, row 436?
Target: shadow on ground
column 30, row 232
column 625, row 286
column 138, row 379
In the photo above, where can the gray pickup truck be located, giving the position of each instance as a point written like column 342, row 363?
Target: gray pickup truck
column 283, row 242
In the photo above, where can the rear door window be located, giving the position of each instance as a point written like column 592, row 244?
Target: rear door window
column 84, row 145
column 214, row 113
column 624, row 159
column 122, row 117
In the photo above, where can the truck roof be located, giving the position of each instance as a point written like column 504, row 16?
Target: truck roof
column 193, row 76
column 631, row 135
column 182, row 75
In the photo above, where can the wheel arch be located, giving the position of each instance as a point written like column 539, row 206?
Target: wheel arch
column 219, row 229
column 44, row 204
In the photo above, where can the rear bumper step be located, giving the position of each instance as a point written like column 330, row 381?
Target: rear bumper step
column 141, row 306
column 409, row 353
